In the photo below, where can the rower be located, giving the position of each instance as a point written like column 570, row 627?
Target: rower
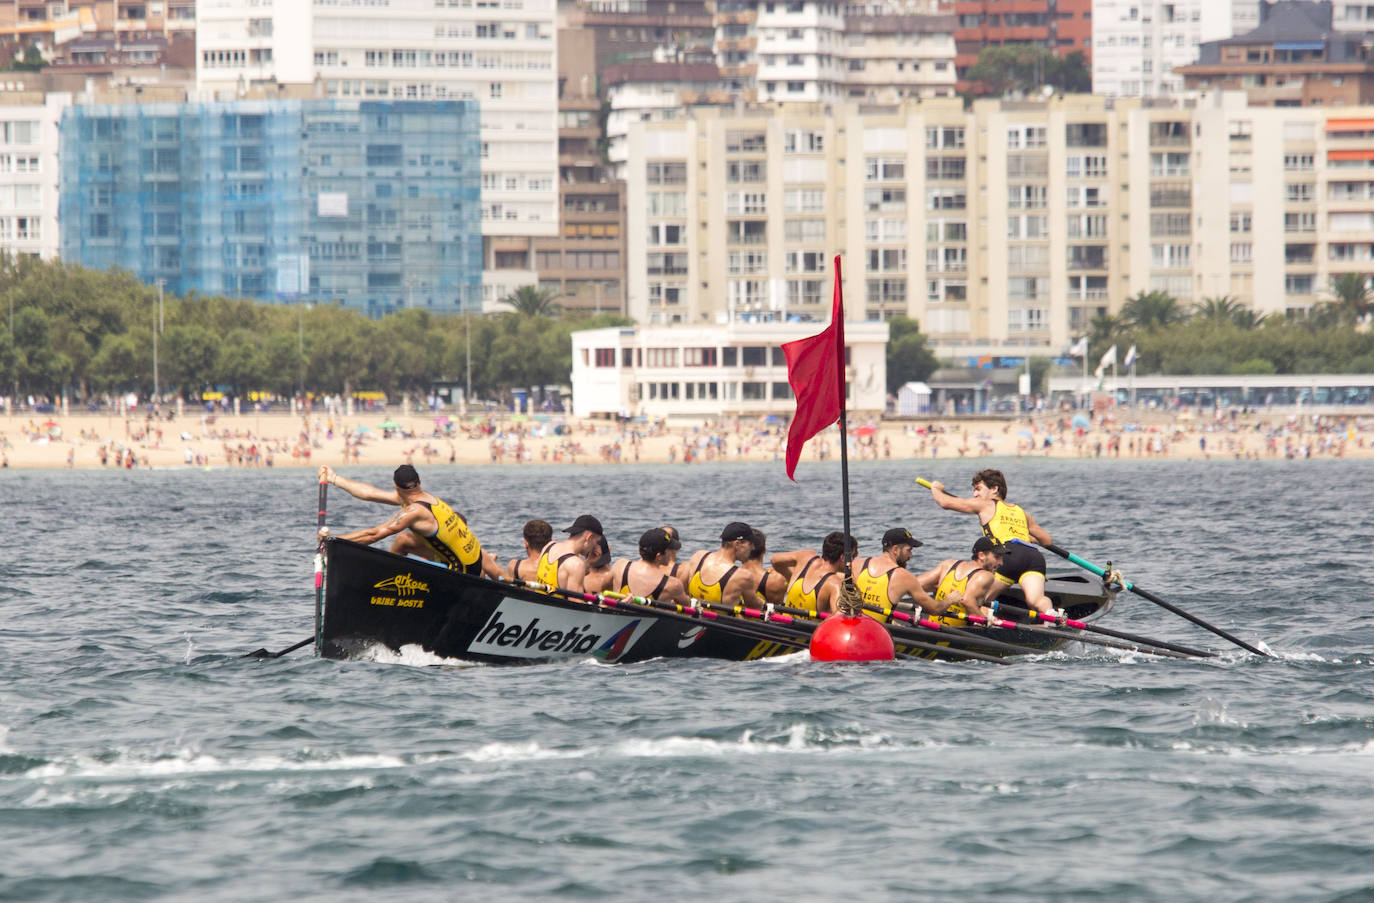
column 966, row 586
column 809, row 586
column 649, row 575
column 883, row 581
column 769, row 584
column 713, row 576
column 1008, row 524
column 598, row 578
column 536, row 535
column 562, row 564
column 425, row 527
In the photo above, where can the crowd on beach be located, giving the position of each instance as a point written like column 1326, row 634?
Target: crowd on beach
column 146, row 440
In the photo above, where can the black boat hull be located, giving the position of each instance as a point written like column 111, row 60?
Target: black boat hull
column 375, row 601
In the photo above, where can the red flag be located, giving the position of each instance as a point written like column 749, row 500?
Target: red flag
column 815, row 368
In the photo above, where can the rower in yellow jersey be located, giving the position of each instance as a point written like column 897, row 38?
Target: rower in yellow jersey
column 810, row 587
column 563, row 563
column 1008, row 524
column 883, row 580
column 425, row 526
column 966, row 586
column 714, row 576
column 649, row 575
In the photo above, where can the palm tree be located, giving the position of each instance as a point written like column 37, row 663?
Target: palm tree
column 1152, row 310
column 1246, row 318
column 1352, row 297
column 532, row 301
column 1104, row 328
column 1221, row 309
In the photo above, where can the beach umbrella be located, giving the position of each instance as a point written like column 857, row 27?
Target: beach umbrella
column 1025, row 434
column 442, row 420
column 1081, row 422
column 362, row 429
column 48, row 424
column 388, row 424
column 866, row 430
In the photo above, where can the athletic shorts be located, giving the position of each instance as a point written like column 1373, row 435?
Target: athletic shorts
column 1020, row 559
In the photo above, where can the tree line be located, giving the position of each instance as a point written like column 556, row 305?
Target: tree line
column 90, row 333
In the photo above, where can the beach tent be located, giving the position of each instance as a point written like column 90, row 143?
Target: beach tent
column 912, row 399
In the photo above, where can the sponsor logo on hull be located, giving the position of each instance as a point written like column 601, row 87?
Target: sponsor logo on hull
column 520, row 629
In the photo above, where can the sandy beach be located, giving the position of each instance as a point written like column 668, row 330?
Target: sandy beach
column 32, row 441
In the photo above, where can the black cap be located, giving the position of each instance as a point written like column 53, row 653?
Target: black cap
column 405, row 477
column 900, row 536
column 604, row 559
column 987, row 544
column 583, row 523
column 658, row 540
column 737, row 530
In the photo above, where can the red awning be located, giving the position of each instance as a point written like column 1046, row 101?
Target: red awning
column 1350, row 154
column 1350, row 125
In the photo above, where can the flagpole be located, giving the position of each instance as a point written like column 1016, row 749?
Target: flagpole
column 844, row 433
column 1083, row 401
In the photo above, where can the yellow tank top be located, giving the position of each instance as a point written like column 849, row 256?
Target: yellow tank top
column 1008, row 522
column 798, row 596
column 873, row 590
column 453, row 542
column 624, row 581
column 708, row 592
column 951, row 583
column 546, row 571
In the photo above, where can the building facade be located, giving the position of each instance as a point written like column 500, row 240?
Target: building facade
column 736, row 369
column 501, row 55
column 1004, row 227
column 29, row 143
column 1141, row 42
column 1062, row 26
column 371, row 204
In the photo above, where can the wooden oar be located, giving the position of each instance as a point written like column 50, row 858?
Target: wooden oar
column 1102, row 572
column 319, row 588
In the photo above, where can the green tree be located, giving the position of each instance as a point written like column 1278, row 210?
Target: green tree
column 1027, row 67
column 1105, row 329
column 908, row 358
column 1152, row 310
column 189, row 358
column 1221, row 309
column 533, row 301
column 31, row 60
column 117, row 365
column 1352, row 300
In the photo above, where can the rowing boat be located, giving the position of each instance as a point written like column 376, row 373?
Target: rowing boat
column 374, row 601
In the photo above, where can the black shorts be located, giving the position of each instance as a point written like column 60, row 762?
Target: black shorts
column 1020, row 559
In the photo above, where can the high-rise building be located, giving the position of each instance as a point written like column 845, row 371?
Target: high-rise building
column 1004, row 226
column 371, row 204
column 1141, row 43
column 28, row 172
column 501, row 55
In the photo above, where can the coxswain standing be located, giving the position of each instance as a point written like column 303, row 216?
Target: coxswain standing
column 1008, row 524
column 966, row 586
column 425, row 526
column 883, row 580
column 563, row 564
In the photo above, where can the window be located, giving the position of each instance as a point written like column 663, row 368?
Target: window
column 808, row 230
column 1294, row 284
column 804, row 200
column 804, row 261
column 1086, row 134
column 1170, row 256
column 746, row 171
column 666, row 173
column 1240, row 222
column 699, row 357
column 1300, row 222
column 887, row 261
column 1170, row 164
column 886, row 291
column 805, row 291
column 1171, row 224
column 885, row 200
column 1298, row 192
column 938, row 137
column 885, row 169
column 803, row 142
column 945, row 167
column 746, row 142
column 1027, row 197
column 1298, row 162
column 746, row 203
column 946, row 199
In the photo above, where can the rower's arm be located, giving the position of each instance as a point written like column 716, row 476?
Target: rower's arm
column 492, row 568
column 786, row 562
column 732, row 593
column 931, row 578
column 404, row 520
column 907, row 585
column 358, row 489
column 1037, row 532
column 573, row 574
column 954, row 502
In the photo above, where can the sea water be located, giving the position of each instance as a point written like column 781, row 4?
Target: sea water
column 142, row 758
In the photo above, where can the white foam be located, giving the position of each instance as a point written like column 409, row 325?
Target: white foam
column 410, row 654
column 128, row 765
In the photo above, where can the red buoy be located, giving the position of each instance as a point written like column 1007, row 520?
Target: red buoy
column 859, row 639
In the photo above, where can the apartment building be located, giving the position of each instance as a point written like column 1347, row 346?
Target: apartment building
column 1007, row 226
column 500, row 53
column 29, row 144
column 1140, row 43
column 584, row 264
column 369, row 204
column 1295, row 57
column 808, row 51
column 1062, row 26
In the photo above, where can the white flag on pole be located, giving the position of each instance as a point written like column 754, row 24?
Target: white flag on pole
column 1079, row 348
column 1107, row 359
column 1130, row 359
